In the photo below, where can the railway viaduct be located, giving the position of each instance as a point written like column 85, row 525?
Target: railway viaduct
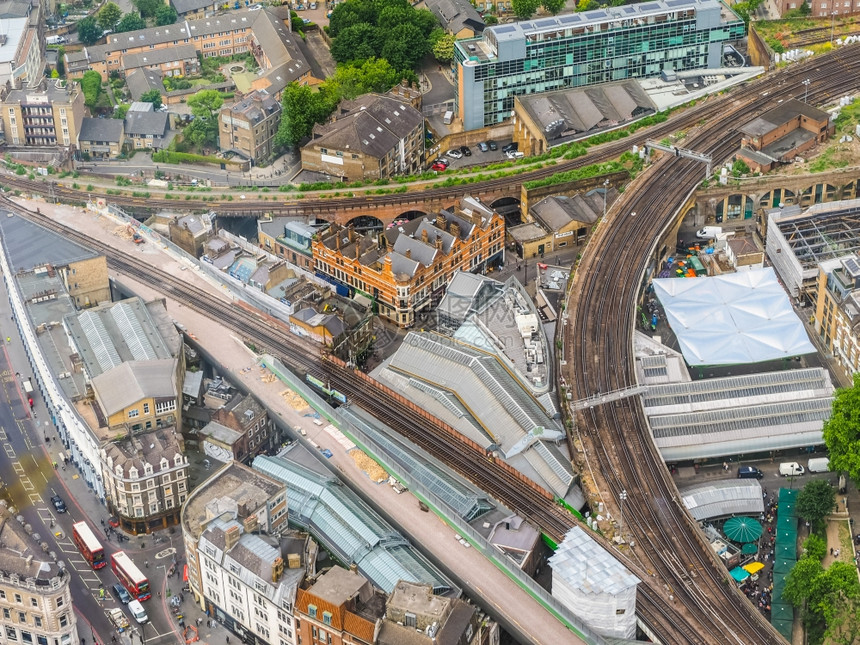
column 741, row 198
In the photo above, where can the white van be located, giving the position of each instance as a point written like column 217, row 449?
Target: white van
column 138, row 612
column 709, row 232
column 818, row 465
column 448, row 118
column 791, row 468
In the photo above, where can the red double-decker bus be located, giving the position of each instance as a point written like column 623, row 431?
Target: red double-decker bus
column 88, row 545
column 130, row 576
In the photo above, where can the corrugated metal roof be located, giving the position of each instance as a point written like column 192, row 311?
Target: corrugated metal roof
column 341, row 521
column 585, row 565
column 135, row 380
column 723, row 498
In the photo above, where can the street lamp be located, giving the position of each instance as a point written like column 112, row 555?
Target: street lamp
column 605, row 190
column 832, row 16
column 621, row 497
column 806, row 91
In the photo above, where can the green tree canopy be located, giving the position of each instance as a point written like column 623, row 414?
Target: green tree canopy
column 525, row 9
column 816, row 501
column 130, row 22
column 822, row 594
column 109, row 16
column 89, row 31
column 404, row 46
column 61, row 61
column 553, row 6
column 205, row 103
column 814, row 547
column 165, row 15
column 443, row 49
column 842, row 431
column 152, row 96
column 91, row 86
column 148, row 8
column 355, row 43
column 373, row 75
column 302, row 108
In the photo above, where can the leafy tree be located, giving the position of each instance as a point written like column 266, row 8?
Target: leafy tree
column 424, row 20
column 55, row 73
column 130, row 22
column 109, row 16
column 347, row 14
column 588, row 5
column 148, row 8
column 373, row 75
column 443, row 49
column 404, row 46
column 61, row 61
column 165, row 15
column 355, row 43
column 842, row 431
column 302, row 108
column 152, row 96
column 205, row 103
column 525, row 9
column 91, row 85
column 814, row 547
column 816, row 501
column 202, row 133
column 121, row 110
column 89, row 31
column 490, row 20
column 390, row 17
column 802, row 581
column 553, row 6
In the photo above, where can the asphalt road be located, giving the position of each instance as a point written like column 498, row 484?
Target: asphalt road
column 28, row 480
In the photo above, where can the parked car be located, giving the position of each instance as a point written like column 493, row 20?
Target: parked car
column 313, row 5
column 454, row 154
column 443, row 161
column 439, row 167
column 121, row 594
column 492, row 145
column 465, row 150
column 511, row 147
column 58, row 503
column 749, row 472
column 483, row 147
column 514, row 154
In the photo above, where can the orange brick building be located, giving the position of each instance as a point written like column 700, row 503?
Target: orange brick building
column 340, row 608
column 408, row 267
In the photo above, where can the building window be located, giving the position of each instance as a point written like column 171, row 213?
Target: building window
column 64, row 620
column 133, row 413
column 34, row 602
column 326, row 618
column 37, row 621
column 27, row 637
column 146, row 408
column 165, row 406
column 11, row 634
column 6, row 614
column 22, row 617
column 312, row 612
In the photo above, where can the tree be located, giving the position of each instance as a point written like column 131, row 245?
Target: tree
column 302, row 108
column 355, row 43
column 55, row 73
column 205, row 103
column 814, row 547
column 404, row 46
column 61, row 61
column 91, row 85
column 152, row 96
column 109, row 16
column 816, row 501
column 842, row 431
column 525, row 9
column 89, row 31
column 165, row 15
column 202, row 133
column 553, row 6
column 588, row 5
column 147, row 8
column 130, row 22
column 443, row 49
column 373, row 75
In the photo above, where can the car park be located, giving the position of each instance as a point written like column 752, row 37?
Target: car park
column 465, row 150
column 483, row 147
column 59, row 504
column 511, row 147
column 454, row 154
column 492, row 145
column 121, row 594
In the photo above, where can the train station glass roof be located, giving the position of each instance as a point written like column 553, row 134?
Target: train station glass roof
column 732, row 319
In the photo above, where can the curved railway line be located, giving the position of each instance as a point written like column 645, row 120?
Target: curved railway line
column 602, row 307
column 685, row 596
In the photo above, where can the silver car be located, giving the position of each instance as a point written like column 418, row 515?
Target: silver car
column 454, row 154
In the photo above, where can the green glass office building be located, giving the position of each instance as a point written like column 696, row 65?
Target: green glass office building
column 601, row 46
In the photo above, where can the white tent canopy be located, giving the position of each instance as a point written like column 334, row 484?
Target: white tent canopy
column 732, row 319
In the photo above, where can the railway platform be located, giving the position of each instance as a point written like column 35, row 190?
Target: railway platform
column 481, row 580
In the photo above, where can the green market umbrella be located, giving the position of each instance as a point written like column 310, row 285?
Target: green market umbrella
column 750, row 547
column 742, row 529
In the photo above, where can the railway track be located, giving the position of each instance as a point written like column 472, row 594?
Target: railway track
column 684, row 597
column 603, row 308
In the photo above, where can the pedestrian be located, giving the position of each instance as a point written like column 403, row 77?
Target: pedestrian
column 228, row 640
column 831, row 550
column 836, row 553
column 199, row 620
column 146, row 563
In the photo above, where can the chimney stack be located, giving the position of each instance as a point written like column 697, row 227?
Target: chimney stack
column 440, row 221
column 231, row 537
column 424, row 235
column 438, row 242
column 357, row 251
column 408, row 254
column 455, row 229
column 351, row 233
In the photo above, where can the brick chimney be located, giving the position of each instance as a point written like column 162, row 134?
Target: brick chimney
column 231, row 537
column 455, row 229
column 440, row 221
column 351, row 233
column 438, row 242
column 386, row 266
column 357, row 251
column 424, row 235
column 408, row 254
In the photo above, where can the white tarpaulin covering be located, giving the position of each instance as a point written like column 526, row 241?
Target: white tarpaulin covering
column 732, row 319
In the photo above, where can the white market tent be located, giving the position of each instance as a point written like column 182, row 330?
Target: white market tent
column 732, row 319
